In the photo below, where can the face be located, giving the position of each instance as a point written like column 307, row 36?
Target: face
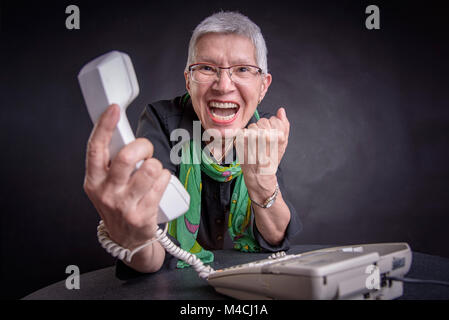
column 223, row 104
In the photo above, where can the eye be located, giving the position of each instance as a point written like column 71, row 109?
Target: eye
column 206, row 68
column 242, row 69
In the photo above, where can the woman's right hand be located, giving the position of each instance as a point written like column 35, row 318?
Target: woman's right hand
column 127, row 202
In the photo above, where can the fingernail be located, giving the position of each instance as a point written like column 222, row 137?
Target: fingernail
column 113, row 109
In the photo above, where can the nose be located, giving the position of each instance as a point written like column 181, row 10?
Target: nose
column 224, row 82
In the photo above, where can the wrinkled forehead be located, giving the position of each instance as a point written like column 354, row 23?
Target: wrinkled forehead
column 225, row 48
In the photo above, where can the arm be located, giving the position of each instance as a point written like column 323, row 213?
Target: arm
column 153, row 126
column 271, row 222
column 260, row 175
column 149, row 259
column 127, row 202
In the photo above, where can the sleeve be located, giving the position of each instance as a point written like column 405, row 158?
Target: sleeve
column 293, row 227
column 154, row 126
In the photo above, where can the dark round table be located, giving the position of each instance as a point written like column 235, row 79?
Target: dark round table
column 184, row 284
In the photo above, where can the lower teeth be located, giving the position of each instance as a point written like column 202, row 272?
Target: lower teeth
column 223, row 117
column 223, row 114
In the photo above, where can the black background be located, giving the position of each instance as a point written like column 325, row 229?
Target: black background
column 367, row 158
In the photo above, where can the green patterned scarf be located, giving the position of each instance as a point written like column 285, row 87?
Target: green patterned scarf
column 185, row 228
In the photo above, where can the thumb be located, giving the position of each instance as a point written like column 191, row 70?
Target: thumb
column 281, row 114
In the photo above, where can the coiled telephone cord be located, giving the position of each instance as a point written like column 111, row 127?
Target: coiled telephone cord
column 161, row 235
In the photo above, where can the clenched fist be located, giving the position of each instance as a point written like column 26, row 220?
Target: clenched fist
column 262, row 145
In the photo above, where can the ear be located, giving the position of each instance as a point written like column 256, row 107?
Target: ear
column 187, row 78
column 266, row 82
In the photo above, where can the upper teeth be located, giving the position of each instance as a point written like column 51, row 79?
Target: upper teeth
column 226, row 105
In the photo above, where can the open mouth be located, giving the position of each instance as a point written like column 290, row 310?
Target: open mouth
column 223, row 111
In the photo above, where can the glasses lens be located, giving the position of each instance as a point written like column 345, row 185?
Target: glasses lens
column 244, row 74
column 204, row 73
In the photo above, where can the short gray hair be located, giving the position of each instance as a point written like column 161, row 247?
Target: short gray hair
column 230, row 22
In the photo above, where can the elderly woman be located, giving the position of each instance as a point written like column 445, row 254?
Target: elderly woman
column 233, row 203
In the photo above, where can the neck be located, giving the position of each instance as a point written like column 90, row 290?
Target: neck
column 219, row 150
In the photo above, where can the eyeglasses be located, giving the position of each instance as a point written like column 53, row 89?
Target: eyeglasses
column 207, row 73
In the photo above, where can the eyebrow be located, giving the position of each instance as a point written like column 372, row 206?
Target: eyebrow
column 235, row 62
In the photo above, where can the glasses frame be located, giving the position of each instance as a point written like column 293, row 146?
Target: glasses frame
column 259, row 70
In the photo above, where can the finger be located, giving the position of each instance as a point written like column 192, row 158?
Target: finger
column 150, row 201
column 252, row 126
column 125, row 162
column 263, row 146
column 142, row 180
column 276, row 123
column 245, row 144
column 251, row 141
column 282, row 115
column 268, row 152
column 97, row 155
column 264, row 123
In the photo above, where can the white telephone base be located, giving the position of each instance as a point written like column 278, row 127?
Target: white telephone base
column 356, row 272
